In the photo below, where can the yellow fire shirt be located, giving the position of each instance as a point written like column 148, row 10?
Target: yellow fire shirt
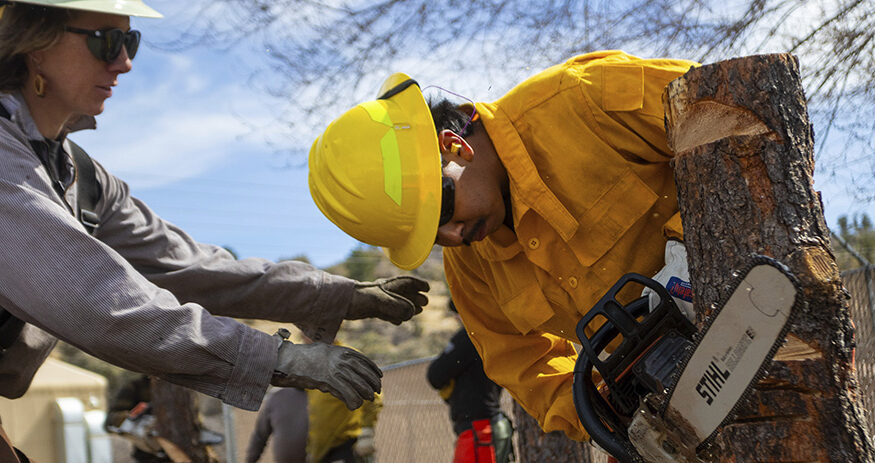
column 593, row 198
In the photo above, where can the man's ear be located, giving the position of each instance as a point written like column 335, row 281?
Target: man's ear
column 453, row 144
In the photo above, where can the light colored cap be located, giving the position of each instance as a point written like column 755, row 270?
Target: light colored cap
column 119, row 7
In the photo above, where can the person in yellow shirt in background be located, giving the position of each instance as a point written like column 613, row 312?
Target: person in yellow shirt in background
column 542, row 200
column 336, row 433
column 314, row 427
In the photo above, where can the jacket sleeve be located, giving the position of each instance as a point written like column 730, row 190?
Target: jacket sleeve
column 20, row 362
column 287, row 291
column 455, row 358
column 62, row 280
column 535, row 367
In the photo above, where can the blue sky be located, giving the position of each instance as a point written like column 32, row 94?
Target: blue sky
column 179, row 130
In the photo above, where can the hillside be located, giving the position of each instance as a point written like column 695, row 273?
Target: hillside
column 425, row 335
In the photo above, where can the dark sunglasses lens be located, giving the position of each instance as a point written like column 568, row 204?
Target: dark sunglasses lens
column 97, row 46
column 132, row 43
column 448, row 200
column 108, row 46
column 114, row 39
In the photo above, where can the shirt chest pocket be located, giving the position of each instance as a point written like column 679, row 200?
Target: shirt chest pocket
column 623, row 87
column 527, row 309
column 622, row 205
column 519, row 295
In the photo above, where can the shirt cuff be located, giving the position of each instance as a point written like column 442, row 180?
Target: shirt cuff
column 253, row 369
column 335, row 295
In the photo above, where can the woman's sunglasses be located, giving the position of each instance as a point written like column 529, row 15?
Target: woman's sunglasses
column 106, row 44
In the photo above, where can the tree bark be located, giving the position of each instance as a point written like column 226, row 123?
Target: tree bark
column 535, row 446
column 744, row 166
column 178, row 422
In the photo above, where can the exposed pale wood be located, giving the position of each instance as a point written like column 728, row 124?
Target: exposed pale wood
column 173, row 451
column 796, row 349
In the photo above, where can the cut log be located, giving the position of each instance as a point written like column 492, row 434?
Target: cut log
column 743, row 166
column 178, row 422
column 536, row 446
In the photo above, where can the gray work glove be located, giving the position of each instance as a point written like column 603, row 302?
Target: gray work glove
column 395, row 299
column 340, row 371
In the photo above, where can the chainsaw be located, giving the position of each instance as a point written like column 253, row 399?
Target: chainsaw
column 663, row 387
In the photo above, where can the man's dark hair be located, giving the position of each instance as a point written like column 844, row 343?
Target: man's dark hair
column 447, row 115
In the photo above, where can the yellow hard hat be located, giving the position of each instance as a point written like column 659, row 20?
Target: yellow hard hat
column 376, row 173
column 119, row 7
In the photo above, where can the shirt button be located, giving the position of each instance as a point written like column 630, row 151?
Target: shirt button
column 534, row 243
column 572, row 281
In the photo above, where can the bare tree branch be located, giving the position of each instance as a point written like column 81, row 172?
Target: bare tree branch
column 327, row 54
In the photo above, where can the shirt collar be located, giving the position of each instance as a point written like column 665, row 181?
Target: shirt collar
column 527, row 188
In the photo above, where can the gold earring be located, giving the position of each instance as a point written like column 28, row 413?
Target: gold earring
column 39, row 85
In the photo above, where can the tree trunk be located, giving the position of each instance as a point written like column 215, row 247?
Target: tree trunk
column 178, row 422
column 743, row 166
column 536, row 447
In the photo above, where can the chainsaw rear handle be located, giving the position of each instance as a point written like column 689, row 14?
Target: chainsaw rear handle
column 584, row 398
column 587, row 399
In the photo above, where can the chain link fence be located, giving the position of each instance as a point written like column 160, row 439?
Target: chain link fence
column 413, row 426
column 859, row 283
column 415, row 422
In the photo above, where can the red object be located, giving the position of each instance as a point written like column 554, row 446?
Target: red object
column 475, row 444
column 138, row 410
column 612, row 460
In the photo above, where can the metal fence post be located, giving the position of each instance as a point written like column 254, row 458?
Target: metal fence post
column 870, row 290
column 230, row 435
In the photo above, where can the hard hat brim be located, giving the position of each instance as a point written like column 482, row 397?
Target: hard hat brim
column 120, row 7
column 416, row 249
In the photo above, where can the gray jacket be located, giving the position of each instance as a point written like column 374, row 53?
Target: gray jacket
column 140, row 293
column 283, row 420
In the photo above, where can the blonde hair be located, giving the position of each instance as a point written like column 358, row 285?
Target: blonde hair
column 24, row 29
